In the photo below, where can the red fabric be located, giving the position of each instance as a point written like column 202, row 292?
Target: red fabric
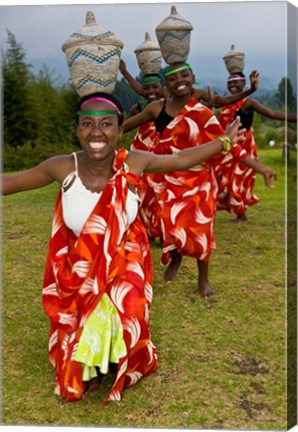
column 188, row 199
column 236, row 180
column 149, row 207
column 106, row 258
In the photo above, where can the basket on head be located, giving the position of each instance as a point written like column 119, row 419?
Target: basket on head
column 93, row 56
column 173, row 35
column 234, row 60
column 148, row 56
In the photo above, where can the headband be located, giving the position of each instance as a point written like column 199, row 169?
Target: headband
column 236, row 77
column 186, row 66
column 102, row 100
column 108, row 112
column 151, row 80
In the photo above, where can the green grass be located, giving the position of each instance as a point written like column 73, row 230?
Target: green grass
column 222, row 363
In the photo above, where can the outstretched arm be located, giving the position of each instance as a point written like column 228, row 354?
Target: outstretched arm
column 149, row 113
column 141, row 161
column 129, row 78
column 43, row 174
column 266, row 172
column 254, row 105
column 220, row 101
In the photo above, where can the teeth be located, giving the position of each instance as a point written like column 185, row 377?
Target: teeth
column 181, row 87
column 97, row 145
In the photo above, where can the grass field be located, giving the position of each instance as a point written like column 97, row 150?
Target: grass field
column 222, row 363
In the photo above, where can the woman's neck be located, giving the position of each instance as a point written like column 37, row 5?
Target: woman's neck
column 95, row 173
column 175, row 104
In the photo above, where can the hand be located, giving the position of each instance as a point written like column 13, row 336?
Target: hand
column 122, row 66
column 233, row 132
column 269, row 175
column 254, row 80
column 211, row 97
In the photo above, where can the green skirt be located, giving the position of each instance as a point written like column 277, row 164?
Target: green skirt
column 102, row 340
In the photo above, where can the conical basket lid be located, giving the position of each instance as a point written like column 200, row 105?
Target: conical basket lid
column 91, row 33
column 147, row 45
column 174, row 22
column 234, row 60
column 233, row 53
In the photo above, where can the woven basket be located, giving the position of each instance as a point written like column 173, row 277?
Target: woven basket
column 93, row 56
column 148, row 56
column 234, row 60
column 173, row 35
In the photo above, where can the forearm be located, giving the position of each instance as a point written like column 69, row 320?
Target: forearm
column 267, row 173
column 11, row 184
column 135, row 121
column 292, row 118
column 268, row 112
column 196, row 155
column 33, row 178
column 184, row 159
column 130, row 123
column 253, row 164
column 220, row 101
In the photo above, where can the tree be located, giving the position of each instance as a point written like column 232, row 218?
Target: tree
column 18, row 118
column 285, row 95
column 54, row 105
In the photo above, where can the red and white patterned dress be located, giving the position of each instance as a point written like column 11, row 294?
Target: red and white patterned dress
column 108, row 258
column 236, row 180
column 149, row 207
column 187, row 199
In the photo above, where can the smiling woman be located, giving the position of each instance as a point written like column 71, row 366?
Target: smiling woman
column 181, row 122
column 97, row 289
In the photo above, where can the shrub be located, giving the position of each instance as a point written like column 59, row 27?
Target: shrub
column 32, row 153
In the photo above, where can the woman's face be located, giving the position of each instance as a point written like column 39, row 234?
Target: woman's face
column 235, row 86
column 180, row 83
column 98, row 133
column 152, row 91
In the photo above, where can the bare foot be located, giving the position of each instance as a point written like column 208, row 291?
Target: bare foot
column 205, row 289
column 239, row 219
column 173, row 267
column 92, row 386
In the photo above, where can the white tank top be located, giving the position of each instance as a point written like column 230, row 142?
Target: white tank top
column 78, row 202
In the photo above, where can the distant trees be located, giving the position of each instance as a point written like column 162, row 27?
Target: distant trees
column 39, row 111
column 18, row 120
column 285, row 95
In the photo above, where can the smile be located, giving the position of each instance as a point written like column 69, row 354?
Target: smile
column 97, row 145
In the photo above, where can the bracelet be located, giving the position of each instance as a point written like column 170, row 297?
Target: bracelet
column 226, row 143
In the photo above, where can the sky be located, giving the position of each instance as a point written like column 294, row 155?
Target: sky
column 257, row 28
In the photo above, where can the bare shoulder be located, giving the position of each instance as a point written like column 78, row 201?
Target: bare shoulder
column 60, row 166
column 155, row 106
column 199, row 94
column 249, row 103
